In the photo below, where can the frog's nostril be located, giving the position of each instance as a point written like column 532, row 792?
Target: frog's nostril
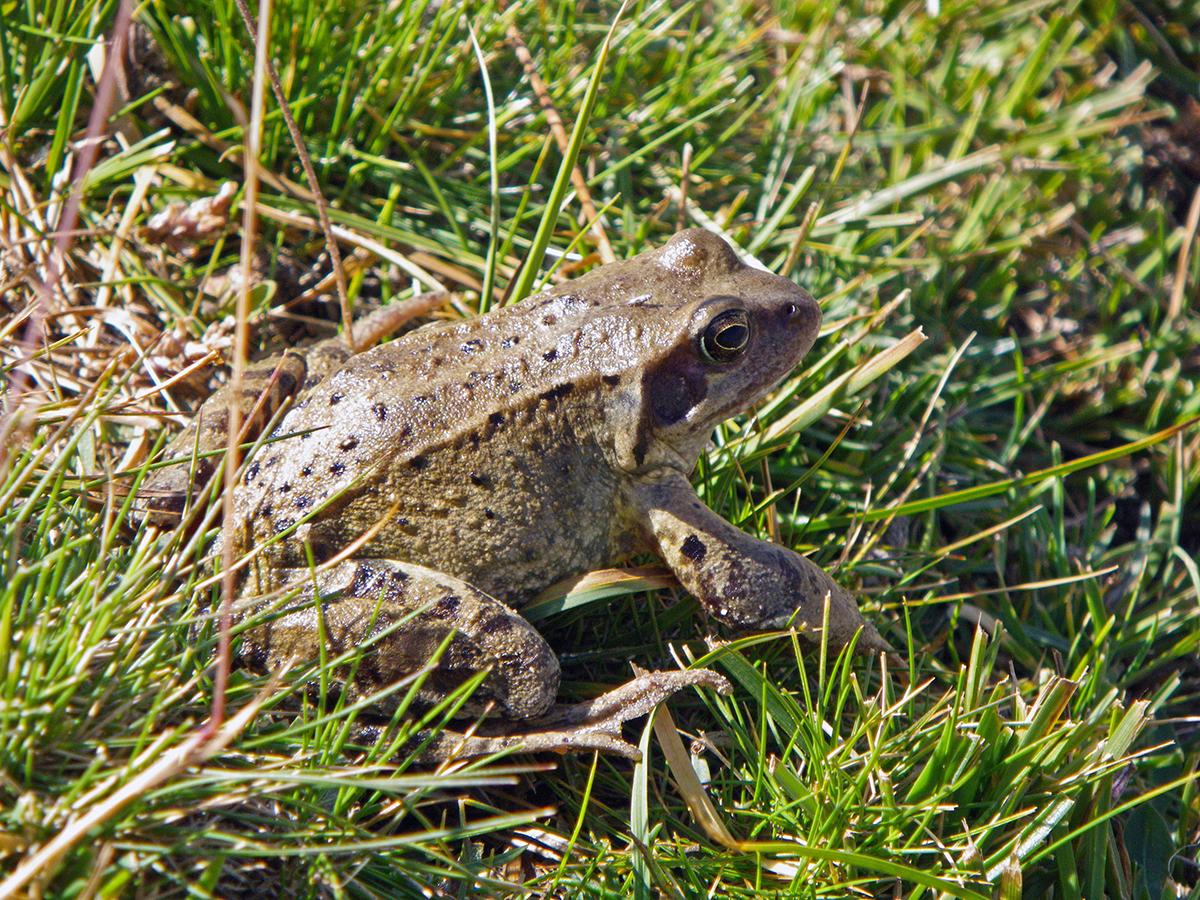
column 790, row 311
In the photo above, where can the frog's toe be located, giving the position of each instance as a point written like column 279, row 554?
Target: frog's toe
column 452, row 745
column 633, row 699
column 843, row 620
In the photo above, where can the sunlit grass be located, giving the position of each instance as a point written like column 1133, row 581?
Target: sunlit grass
column 989, row 443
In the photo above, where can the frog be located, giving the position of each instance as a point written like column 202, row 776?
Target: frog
column 416, row 495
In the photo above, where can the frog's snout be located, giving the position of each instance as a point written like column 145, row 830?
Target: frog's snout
column 799, row 312
column 791, row 317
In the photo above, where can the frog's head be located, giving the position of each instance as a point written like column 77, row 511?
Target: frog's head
column 734, row 333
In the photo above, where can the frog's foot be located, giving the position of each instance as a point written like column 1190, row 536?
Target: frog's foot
column 577, row 727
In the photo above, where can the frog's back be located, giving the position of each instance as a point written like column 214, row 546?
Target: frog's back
column 494, row 430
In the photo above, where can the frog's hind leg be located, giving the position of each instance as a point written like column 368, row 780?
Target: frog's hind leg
column 407, row 611
column 364, row 599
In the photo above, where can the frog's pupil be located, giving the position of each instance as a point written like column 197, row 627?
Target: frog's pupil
column 732, row 337
column 726, row 336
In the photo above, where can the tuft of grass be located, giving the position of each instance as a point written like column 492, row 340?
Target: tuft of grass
column 1015, row 496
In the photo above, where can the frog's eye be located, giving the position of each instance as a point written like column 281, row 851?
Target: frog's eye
column 726, row 336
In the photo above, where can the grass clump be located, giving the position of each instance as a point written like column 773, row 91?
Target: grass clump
column 992, row 442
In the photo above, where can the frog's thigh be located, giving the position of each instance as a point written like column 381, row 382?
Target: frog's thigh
column 742, row 581
column 364, row 597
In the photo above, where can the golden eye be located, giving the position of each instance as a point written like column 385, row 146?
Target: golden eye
column 726, row 336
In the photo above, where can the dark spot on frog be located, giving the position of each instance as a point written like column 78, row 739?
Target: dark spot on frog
column 282, row 525
column 419, row 462
column 472, row 346
column 448, row 606
column 693, row 548
column 480, row 480
column 306, row 471
column 495, row 420
column 509, row 342
column 251, row 473
column 380, row 411
column 365, row 581
column 611, row 380
column 311, row 382
column 494, row 623
column 285, row 487
column 335, row 399
column 399, row 576
column 217, row 421
column 514, row 386
column 555, row 394
column 349, row 443
column 550, row 319
column 488, row 513
column 265, row 511
column 303, row 502
column 337, row 468
column 550, row 355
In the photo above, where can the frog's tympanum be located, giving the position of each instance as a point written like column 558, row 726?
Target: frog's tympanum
column 444, row 479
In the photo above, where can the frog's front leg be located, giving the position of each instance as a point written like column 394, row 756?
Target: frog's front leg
column 743, row 582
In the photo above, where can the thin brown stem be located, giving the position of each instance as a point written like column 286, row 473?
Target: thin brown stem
column 685, row 179
column 34, row 335
column 310, row 175
column 1175, row 306
column 240, row 352
column 554, row 120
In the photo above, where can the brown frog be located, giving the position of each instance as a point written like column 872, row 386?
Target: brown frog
column 439, row 481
